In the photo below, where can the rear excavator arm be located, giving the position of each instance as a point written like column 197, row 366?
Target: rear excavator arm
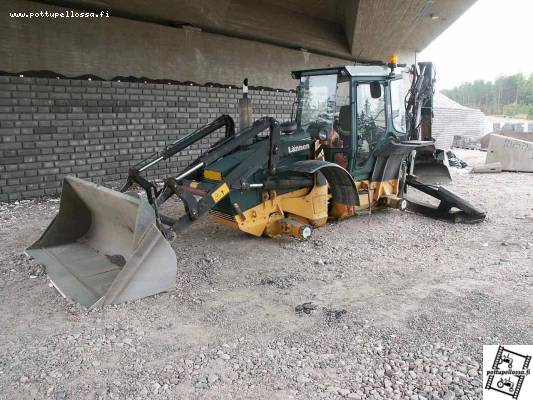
column 419, row 101
column 428, row 163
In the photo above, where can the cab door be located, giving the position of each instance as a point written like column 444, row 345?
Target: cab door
column 370, row 124
column 340, row 149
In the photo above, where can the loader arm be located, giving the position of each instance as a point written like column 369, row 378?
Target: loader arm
column 266, row 152
column 196, row 209
column 134, row 173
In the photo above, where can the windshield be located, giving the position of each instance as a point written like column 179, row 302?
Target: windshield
column 317, row 102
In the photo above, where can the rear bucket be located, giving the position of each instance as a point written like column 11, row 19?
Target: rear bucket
column 432, row 166
column 434, row 172
column 103, row 247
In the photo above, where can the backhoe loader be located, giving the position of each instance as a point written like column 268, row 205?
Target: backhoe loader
column 350, row 147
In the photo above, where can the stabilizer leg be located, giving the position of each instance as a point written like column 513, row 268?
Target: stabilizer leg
column 466, row 212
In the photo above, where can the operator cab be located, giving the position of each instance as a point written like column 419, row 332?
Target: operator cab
column 351, row 110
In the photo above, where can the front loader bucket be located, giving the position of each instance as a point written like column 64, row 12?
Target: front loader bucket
column 103, row 247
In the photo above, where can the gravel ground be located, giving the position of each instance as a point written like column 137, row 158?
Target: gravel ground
column 392, row 306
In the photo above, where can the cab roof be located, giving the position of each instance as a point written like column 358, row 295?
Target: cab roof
column 347, row 70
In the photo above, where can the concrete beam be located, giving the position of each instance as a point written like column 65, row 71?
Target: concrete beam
column 351, row 29
column 110, row 47
column 308, row 24
column 385, row 27
column 340, row 31
column 261, row 21
column 350, row 18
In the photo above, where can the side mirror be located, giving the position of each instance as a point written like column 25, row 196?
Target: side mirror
column 318, row 131
column 375, row 89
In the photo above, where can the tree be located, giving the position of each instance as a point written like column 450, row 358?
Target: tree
column 510, row 95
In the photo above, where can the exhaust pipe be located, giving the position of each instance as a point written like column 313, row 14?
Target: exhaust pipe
column 104, row 247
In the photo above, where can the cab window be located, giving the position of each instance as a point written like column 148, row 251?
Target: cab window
column 341, row 136
column 371, row 121
column 343, row 122
column 317, row 102
column 398, row 105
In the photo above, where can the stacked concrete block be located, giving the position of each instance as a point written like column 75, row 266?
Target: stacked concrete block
column 512, row 154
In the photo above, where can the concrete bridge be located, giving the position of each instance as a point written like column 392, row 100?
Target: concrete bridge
column 217, row 40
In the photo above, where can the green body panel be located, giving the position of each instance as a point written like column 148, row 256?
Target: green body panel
column 247, row 199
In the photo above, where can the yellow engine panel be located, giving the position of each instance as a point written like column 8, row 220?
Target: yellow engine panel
column 305, row 207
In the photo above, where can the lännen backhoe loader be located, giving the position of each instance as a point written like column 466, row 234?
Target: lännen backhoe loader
column 350, row 146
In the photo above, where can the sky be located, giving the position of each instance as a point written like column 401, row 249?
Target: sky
column 492, row 38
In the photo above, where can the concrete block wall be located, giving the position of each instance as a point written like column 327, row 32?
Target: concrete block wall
column 98, row 129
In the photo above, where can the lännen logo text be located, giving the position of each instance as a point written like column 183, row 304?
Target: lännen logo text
column 298, row 147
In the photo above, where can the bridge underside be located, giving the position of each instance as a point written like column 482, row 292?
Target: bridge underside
column 217, row 40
